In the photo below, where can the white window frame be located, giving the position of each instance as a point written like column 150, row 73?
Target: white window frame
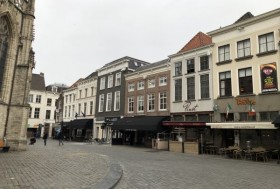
column 118, row 79
column 117, row 102
column 140, row 85
column 151, row 99
column 151, row 83
column 109, row 102
column 30, row 98
column 101, row 103
column 162, row 100
column 131, row 87
column 163, row 81
column 102, row 83
column 140, row 103
column 110, row 81
column 130, row 108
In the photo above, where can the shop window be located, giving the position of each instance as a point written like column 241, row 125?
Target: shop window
column 268, row 116
column 191, row 118
column 244, row 116
column 79, row 132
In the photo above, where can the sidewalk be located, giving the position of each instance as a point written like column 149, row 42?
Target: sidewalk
column 54, row 166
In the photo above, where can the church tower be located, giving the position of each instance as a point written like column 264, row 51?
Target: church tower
column 16, row 64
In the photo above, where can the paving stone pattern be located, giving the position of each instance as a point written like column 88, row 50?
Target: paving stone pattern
column 52, row 166
column 80, row 165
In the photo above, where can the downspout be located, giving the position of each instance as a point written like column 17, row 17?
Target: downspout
column 12, row 86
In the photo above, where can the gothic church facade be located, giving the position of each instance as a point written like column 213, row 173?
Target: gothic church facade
column 16, row 64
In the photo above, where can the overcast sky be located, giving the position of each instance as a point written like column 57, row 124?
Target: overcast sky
column 74, row 38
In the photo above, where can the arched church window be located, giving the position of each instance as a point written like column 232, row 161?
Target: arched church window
column 4, row 33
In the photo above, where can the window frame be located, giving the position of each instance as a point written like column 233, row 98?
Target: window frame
column 204, row 62
column 245, row 82
column 109, row 101
column 151, row 99
column 130, row 101
column 140, row 103
column 101, row 103
column 118, row 79
column 190, row 65
column 191, row 88
column 222, row 56
column 266, row 42
column 178, row 68
column 204, row 86
column 224, row 89
column 163, row 101
column 241, row 47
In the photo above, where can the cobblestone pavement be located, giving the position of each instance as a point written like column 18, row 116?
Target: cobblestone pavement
column 80, row 165
column 52, row 166
column 147, row 168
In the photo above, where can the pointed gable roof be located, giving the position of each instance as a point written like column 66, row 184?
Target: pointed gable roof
column 245, row 17
column 199, row 40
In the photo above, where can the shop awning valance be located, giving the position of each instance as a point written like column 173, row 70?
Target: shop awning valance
column 183, row 124
column 81, row 124
column 143, row 123
column 242, row 125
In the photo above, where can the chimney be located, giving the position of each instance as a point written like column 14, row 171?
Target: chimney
column 41, row 74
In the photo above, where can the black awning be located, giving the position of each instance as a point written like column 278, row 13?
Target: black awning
column 143, row 123
column 276, row 122
column 81, row 124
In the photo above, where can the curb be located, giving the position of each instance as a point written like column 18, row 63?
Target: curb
column 112, row 178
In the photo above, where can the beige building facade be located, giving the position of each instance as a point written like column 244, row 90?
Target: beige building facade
column 246, row 62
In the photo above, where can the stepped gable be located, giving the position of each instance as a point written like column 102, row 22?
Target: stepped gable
column 199, row 40
column 246, row 16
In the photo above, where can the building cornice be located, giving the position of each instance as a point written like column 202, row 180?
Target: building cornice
column 241, row 25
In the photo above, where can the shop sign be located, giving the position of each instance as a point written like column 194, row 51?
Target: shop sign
column 189, row 107
column 245, row 101
column 268, row 77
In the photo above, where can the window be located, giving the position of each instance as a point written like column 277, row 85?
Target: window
column 102, row 83
column 86, row 90
column 224, row 53
column 69, row 111
column 225, row 84
column 266, row 42
column 191, row 88
column 80, row 93
column 109, row 102
column 162, row 81
column 204, row 63
column 110, row 81
column 73, row 110
column 204, row 84
column 91, row 108
column 140, row 85
column 130, row 87
column 30, row 98
column 101, row 103
column 243, row 116
column 117, row 100
column 48, row 114
column 85, row 109
column 140, row 103
column 65, row 111
column 190, row 66
column 70, row 97
column 66, row 99
column 74, row 97
column 49, row 102
column 30, row 112
column 54, row 89
column 151, row 83
column 268, row 116
column 79, row 108
column 151, row 102
column 38, row 98
column 243, row 48
column 131, row 104
column 162, row 100
column 178, row 89
column 37, row 113
column 178, row 68
column 118, row 79
column 245, row 81
column 92, row 91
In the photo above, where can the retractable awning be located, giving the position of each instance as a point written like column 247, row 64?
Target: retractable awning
column 144, row 123
column 242, row 125
column 81, row 124
column 183, row 124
